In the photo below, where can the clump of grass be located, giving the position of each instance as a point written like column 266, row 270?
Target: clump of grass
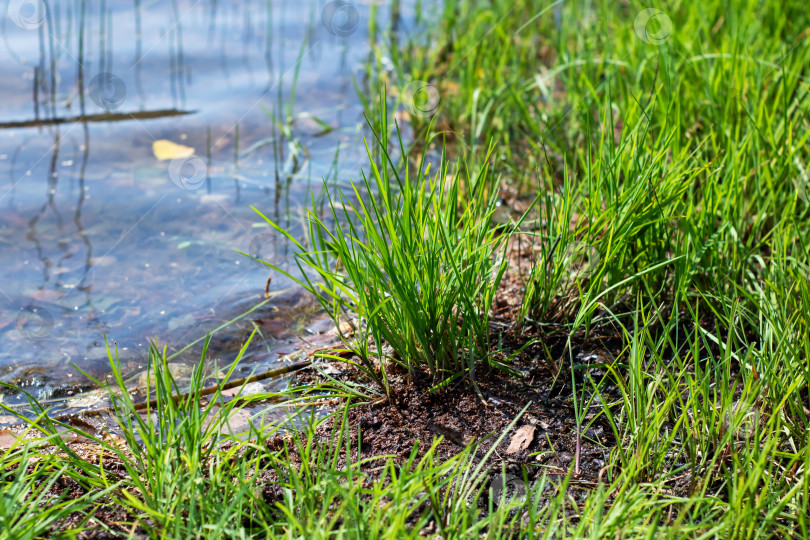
column 413, row 252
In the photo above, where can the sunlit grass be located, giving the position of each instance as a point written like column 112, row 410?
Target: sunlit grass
column 669, row 183
column 412, row 251
column 672, row 205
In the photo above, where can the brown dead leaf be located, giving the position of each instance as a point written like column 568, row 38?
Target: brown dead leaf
column 87, row 425
column 74, row 438
column 521, row 440
column 7, row 439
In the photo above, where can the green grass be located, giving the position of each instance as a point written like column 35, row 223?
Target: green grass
column 179, row 471
column 26, row 509
column 671, row 207
column 670, row 212
column 414, row 254
column 172, row 475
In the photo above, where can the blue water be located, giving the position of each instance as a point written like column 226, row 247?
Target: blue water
column 100, row 238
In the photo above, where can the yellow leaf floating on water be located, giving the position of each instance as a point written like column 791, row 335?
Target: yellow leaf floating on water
column 164, row 150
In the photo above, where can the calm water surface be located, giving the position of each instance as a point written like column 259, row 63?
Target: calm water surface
column 100, row 238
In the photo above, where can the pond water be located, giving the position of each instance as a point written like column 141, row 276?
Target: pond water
column 98, row 237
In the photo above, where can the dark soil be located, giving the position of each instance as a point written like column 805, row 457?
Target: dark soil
column 460, row 416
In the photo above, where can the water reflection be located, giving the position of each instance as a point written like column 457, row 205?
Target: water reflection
column 99, row 237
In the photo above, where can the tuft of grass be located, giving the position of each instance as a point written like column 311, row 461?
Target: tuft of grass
column 172, row 471
column 179, row 479
column 414, row 254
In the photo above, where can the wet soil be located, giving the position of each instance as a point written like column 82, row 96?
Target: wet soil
column 459, row 415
